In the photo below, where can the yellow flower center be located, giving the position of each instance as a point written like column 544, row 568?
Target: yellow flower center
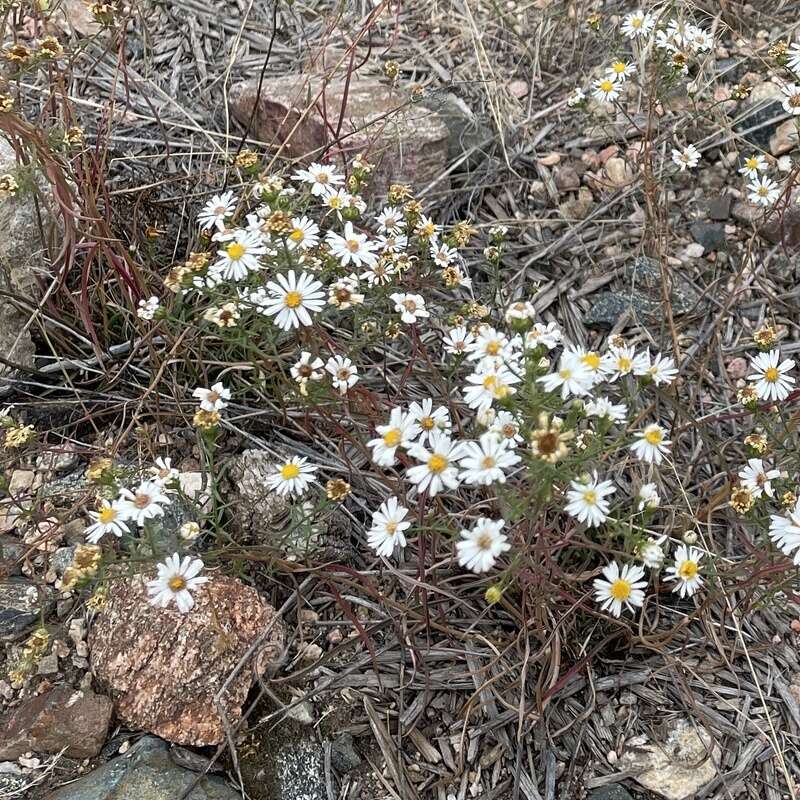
column 235, row 250
column 606, row 86
column 289, row 471
column 624, row 364
column 654, row 436
column 353, row 245
column 618, row 67
column 334, row 201
column 297, row 235
column 437, row 463
column 565, row 373
column 590, row 497
column 410, row 305
column 391, row 528
column 490, row 381
column 493, row 348
column 771, row 374
column 426, row 423
column 293, row 299
column 484, row 541
column 106, row 515
column 688, row 570
column 322, row 177
column 751, row 163
column 620, row 589
column 636, row 22
column 488, row 463
column 392, row 438
column 177, row 583
column 592, row 360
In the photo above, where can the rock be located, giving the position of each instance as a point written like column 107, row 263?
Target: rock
column 518, row 89
column 192, row 486
column 611, row 792
column 567, row 179
column 47, row 665
column 711, row 235
column 74, row 15
column 578, row 207
column 618, row 172
column 21, row 605
column 12, row 551
column 782, row 224
column 62, row 558
column 677, row 767
column 642, row 297
column 61, row 718
column 27, row 227
column 719, row 209
column 163, row 668
column 59, row 460
column 785, row 138
column 407, row 141
column 145, row 772
column 761, row 107
column 467, row 134
column 344, row 756
column 299, row 771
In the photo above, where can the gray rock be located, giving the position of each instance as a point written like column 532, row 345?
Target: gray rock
column 12, row 551
column 467, row 134
column 344, row 756
column 678, row 766
column 719, row 209
column 611, row 792
column 62, row 558
column 299, row 771
column 21, row 605
column 762, row 111
column 145, row 772
column 709, row 234
column 641, row 296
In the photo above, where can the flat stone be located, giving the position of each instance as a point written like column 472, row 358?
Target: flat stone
column 299, row 771
column 21, row 606
column 578, row 207
column 12, row 551
column 677, row 767
column 567, row 179
column 61, row 718
column 163, row 669
column 719, row 209
column 761, row 107
column 785, row 139
column 783, row 226
column 344, row 756
column 145, row 772
column 407, row 141
column 641, row 296
column 611, row 792
column 711, row 235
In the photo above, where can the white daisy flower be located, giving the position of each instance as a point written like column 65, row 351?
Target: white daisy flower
column 426, row 228
column 146, row 309
column 380, row 273
column 163, row 472
column 651, row 444
column 480, row 547
column 352, row 248
column 763, row 191
column 651, row 553
column 637, row 24
column 143, row 504
column 442, row 254
column 411, row 307
column 292, row 299
column 573, row 377
column 660, row 369
column 303, row 234
column 680, row 32
column 489, row 345
column 392, row 243
column 793, row 58
column 520, row 310
column 343, row 372
column 322, row 178
column 587, row 500
column 753, row 165
column 240, row 256
column 576, row 97
column 307, row 369
column 688, row 157
column 487, row 384
column 648, row 497
column 785, row 532
column 292, row 477
column 391, row 220
column 620, row 588
column 605, row 409
column 791, row 98
column 429, row 419
column 345, row 293
column 548, row 335
column 401, row 431
column 176, row 581
column 770, row 375
column 337, row 200
column 216, row 210
column 686, row 570
column 620, row 71
column 458, row 341
column 438, row 469
column 758, row 479
column 506, row 427
column 388, row 526
column 618, row 361
column 702, row 41
column 213, row 399
column 486, row 461
column 109, row 519
column 606, row 90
